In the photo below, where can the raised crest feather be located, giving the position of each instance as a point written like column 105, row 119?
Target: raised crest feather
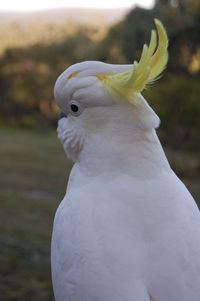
column 152, row 62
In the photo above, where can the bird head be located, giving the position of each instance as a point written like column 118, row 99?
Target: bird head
column 98, row 98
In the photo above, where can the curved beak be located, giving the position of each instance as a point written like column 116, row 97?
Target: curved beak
column 62, row 115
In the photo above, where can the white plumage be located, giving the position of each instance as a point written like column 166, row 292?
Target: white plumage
column 127, row 229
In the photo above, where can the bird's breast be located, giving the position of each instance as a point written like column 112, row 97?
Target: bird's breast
column 107, row 228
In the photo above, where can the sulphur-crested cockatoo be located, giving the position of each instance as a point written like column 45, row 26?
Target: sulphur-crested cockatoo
column 127, row 229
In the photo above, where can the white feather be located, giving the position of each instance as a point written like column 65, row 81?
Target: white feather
column 127, row 229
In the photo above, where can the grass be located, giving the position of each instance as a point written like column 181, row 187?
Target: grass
column 33, row 177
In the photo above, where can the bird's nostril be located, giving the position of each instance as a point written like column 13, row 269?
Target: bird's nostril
column 62, row 115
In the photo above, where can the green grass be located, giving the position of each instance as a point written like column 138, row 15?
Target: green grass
column 33, row 177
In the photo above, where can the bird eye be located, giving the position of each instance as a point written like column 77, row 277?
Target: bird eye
column 75, row 108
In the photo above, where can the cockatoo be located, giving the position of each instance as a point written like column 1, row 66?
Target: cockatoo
column 127, row 228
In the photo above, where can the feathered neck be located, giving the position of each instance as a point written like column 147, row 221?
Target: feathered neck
column 120, row 144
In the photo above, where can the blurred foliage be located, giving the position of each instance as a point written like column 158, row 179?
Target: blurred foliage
column 27, row 74
column 177, row 102
column 18, row 36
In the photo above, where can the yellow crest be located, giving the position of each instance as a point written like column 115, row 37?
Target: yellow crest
column 150, row 65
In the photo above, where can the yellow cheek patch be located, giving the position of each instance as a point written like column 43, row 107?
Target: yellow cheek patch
column 74, row 74
column 152, row 62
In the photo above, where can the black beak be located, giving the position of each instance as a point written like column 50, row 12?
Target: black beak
column 62, row 115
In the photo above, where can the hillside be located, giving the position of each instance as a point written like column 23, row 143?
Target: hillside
column 24, row 29
column 56, row 16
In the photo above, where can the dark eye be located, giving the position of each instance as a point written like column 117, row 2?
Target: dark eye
column 75, row 108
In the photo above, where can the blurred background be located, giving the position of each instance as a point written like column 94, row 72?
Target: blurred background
column 38, row 40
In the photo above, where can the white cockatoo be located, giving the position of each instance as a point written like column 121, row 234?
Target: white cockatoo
column 127, row 229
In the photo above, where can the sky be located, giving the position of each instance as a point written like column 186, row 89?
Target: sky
column 31, row 5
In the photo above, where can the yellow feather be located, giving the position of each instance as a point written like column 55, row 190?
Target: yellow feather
column 160, row 57
column 152, row 44
column 151, row 64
